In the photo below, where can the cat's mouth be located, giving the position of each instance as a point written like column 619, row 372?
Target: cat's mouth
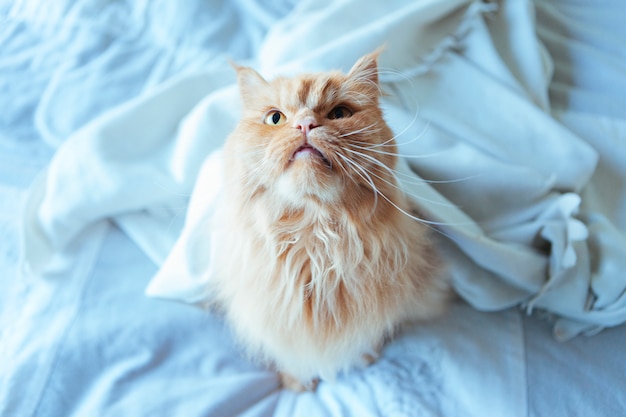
column 309, row 151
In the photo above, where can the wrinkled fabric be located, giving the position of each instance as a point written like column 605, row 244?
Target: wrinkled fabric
column 511, row 124
column 500, row 186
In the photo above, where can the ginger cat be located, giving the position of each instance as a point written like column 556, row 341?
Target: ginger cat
column 316, row 259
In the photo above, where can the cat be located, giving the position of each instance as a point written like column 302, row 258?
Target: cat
column 317, row 260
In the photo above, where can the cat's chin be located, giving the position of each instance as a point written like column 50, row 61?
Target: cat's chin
column 308, row 178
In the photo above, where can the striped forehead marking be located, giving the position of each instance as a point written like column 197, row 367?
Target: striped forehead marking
column 304, row 91
column 314, row 93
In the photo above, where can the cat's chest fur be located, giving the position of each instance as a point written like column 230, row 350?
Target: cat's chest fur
column 314, row 289
column 311, row 262
column 318, row 257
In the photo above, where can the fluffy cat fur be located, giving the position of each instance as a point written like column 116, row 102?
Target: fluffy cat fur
column 315, row 261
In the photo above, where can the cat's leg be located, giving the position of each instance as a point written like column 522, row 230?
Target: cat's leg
column 371, row 356
column 291, row 383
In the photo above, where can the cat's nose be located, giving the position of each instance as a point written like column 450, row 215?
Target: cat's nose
column 305, row 124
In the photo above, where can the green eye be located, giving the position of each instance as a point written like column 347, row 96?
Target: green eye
column 339, row 112
column 275, row 118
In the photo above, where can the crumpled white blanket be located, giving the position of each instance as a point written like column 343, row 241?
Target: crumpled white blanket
column 498, row 175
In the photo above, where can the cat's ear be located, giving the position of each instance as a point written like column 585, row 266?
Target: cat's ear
column 365, row 72
column 251, row 83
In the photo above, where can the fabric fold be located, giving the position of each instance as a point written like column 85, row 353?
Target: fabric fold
column 121, row 163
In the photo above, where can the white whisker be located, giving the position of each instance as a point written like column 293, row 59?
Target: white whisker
column 366, row 129
column 403, row 131
column 367, row 100
column 365, row 176
column 393, row 173
column 371, row 148
column 395, row 185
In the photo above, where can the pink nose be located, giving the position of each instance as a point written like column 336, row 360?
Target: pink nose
column 306, row 124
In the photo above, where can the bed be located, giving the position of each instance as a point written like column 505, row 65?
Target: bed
column 512, row 119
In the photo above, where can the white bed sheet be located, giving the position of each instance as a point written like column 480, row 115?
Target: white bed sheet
column 87, row 342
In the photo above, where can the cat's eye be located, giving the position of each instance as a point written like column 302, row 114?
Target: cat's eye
column 339, row 112
column 275, row 118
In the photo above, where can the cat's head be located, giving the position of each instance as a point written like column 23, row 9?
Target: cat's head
column 315, row 136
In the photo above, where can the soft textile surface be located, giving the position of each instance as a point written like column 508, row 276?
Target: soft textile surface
column 502, row 178
column 512, row 127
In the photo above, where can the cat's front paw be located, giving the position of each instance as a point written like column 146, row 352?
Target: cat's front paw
column 369, row 358
column 372, row 355
column 291, row 383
